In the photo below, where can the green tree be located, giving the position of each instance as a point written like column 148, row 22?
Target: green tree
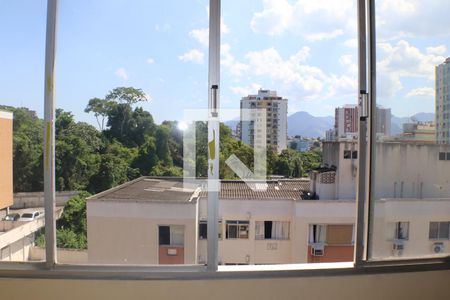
column 100, row 108
column 76, row 156
column 115, row 167
column 146, row 158
column 124, row 98
column 162, row 145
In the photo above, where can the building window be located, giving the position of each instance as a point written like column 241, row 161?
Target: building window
column 439, row 230
column 349, row 154
column 171, row 235
column 237, row 229
column 271, row 230
column 203, row 230
column 317, row 233
column 442, row 156
column 401, row 230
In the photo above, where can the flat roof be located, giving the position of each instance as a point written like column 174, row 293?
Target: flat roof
column 148, row 189
column 170, row 189
column 278, row 189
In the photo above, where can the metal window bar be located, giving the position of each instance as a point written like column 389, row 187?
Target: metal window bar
column 213, row 135
column 49, row 135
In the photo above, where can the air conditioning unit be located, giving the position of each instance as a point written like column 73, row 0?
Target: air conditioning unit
column 317, row 249
column 398, row 245
column 438, row 248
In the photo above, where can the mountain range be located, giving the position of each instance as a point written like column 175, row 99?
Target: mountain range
column 304, row 124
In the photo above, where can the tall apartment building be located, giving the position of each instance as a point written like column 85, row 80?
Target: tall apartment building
column 442, row 86
column 383, row 123
column 273, row 109
column 6, row 159
column 346, row 122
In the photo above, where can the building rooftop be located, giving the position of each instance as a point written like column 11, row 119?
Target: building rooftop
column 158, row 189
column 150, row 189
column 281, row 189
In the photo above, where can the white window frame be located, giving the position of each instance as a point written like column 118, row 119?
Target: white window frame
column 439, row 225
column 238, row 224
column 364, row 214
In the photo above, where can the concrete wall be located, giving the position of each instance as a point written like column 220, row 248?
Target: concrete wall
column 416, row 167
column 65, row 256
column 419, row 214
column 36, row 199
column 6, row 159
column 18, row 250
column 399, row 286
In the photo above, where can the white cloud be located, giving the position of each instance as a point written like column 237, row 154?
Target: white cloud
column 201, row 35
column 438, row 50
column 234, row 67
column 421, row 92
column 407, row 60
column 193, row 55
column 274, row 19
column 122, row 73
column 316, row 20
column 245, row 90
column 224, row 29
column 349, row 63
column 292, row 76
column 403, row 60
column 324, row 35
column 412, row 18
column 150, row 61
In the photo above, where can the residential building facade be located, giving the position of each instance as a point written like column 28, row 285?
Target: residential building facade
column 6, row 159
column 442, row 88
column 347, row 119
column 268, row 123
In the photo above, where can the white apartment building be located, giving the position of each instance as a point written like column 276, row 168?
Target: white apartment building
column 442, row 87
column 269, row 122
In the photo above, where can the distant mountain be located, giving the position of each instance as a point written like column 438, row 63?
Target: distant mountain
column 232, row 124
column 397, row 122
column 304, row 124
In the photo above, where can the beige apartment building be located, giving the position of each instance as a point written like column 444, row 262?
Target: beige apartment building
column 158, row 221
column 6, row 159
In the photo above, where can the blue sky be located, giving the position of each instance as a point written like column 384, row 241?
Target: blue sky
column 306, row 50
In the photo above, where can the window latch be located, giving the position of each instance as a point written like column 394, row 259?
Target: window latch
column 363, row 105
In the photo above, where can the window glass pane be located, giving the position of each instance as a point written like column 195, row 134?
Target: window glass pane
column 443, row 230
column 164, row 235
column 290, row 122
column 434, row 230
column 127, row 71
column 22, row 61
column 410, row 179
